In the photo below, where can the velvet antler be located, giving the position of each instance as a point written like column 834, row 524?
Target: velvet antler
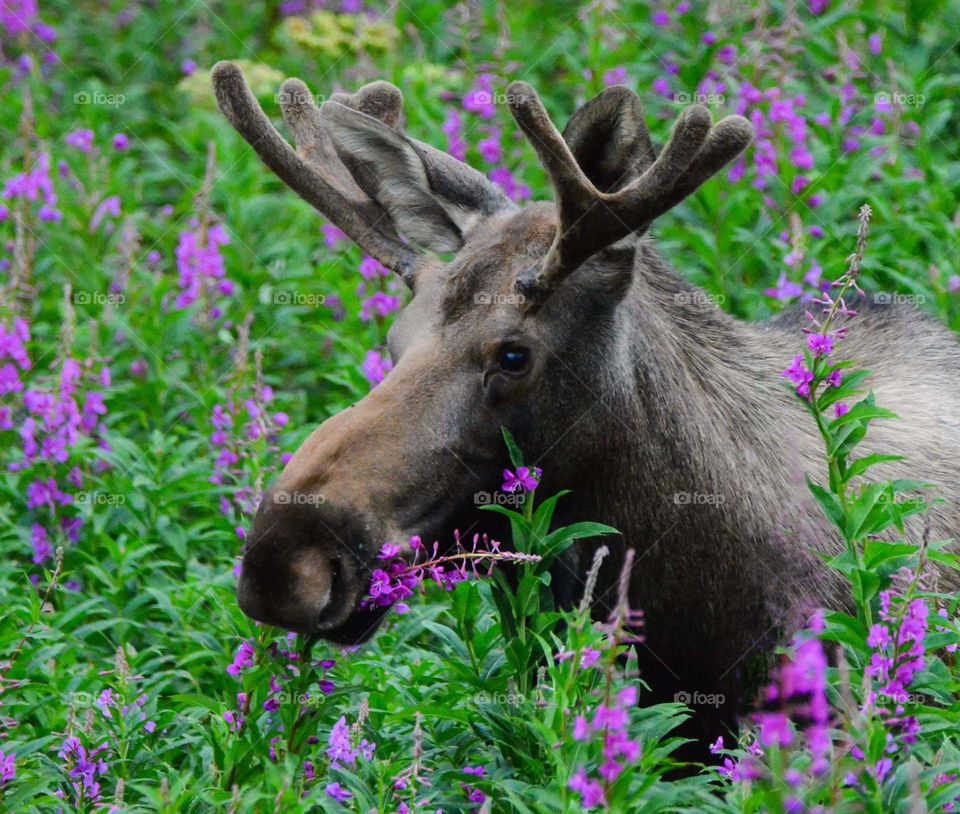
column 588, row 219
column 317, row 173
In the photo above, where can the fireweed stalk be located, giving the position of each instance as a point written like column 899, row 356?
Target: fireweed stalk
column 606, row 730
column 398, row 579
column 807, row 752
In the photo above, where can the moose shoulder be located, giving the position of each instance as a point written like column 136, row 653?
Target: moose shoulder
column 665, row 416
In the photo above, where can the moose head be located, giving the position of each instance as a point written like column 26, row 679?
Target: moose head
column 519, row 318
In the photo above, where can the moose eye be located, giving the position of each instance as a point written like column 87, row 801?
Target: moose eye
column 513, row 359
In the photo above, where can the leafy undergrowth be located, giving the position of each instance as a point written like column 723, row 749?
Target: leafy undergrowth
column 173, row 323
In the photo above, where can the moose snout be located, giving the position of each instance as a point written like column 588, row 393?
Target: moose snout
column 300, row 570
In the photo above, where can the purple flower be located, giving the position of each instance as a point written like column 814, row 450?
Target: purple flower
column 490, row 148
column 452, row 128
column 505, row 179
column 798, row 694
column 42, row 550
column 785, row 289
column 661, row 86
column 109, row 206
column 480, row 99
column 337, row 792
column 121, row 142
column 8, row 768
column 379, row 305
column 243, row 659
column 200, row 265
column 80, row 139
column 590, row 791
column 371, row 269
column 83, row 767
column 819, row 344
column 798, row 374
column 524, row 478
column 334, row 235
column 375, row 367
column 615, row 76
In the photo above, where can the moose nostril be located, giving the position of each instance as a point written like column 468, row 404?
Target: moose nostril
column 342, row 598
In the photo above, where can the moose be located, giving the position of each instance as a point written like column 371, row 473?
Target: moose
column 623, row 382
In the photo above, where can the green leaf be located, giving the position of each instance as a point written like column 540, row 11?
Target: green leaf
column 864, row 410
column 516, row 456
column 561, row 539
column 544, row 515
column 865, row 585
column 861, row 465
column 847, row 388
column 829, row 503
column 880, row 552
column 862, row 506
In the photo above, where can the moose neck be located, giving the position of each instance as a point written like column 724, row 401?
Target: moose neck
column 697, row 420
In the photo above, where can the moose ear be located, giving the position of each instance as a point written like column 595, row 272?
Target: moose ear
column 432, row 198
column 609, row 139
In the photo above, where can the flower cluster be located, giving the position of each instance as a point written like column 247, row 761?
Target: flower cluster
column 605, row 731
column 398, row 576
column 8, row 769
column 375, row 367
column 201, row 269
column 898, row 647
column 83, row 767
column 51, row 415
column 240, row 428
column 807, row 372
column 480, row 105
column 34, row 185
column 797, row 697
column 609, row 725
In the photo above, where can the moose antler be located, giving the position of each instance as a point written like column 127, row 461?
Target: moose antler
column 590, row 220
column 318, row 174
